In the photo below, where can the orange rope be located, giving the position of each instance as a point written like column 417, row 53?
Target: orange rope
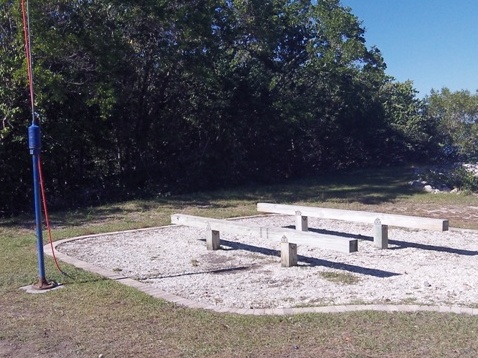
column 28, row 54
column 26, row 33
column 47, row 219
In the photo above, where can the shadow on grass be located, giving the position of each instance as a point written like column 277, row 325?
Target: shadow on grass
column 368, row 186
column 69, row 279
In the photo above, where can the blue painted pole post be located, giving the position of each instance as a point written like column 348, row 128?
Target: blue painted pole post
column 34, row 143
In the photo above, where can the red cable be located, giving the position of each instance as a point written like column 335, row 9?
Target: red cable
column 47, row 219
column 26, row 33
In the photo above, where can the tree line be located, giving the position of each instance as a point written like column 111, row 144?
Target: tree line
column 154, row 96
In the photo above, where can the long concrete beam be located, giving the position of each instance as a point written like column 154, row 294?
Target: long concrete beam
column 329, row 242
column 412, row 222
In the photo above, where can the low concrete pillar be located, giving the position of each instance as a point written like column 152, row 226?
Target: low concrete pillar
column 288, row 253
column 301, row 222
column 380, row 237
column 213, row 239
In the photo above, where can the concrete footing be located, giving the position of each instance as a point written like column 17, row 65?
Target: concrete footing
column 288, row 253
column 380, row 237
column 35, row 288
column 213, row 239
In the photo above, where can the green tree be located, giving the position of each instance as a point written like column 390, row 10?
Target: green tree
column 146, row 96
column 456, row 118
column 343, row 78
column 15, row 114
column 411, row 135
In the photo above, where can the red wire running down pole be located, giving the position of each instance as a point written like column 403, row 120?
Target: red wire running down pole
column 47, row 219
column 28, row 55
column 34, row 141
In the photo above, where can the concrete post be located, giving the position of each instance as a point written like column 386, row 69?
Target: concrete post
column 380, row 237
column 301, row 222
column 288, row 253
column 213, row 239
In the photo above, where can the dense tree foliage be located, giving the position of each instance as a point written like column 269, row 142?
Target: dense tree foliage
column 411, row 135
column 157, row 96
column 15, row 174
column 455, row 115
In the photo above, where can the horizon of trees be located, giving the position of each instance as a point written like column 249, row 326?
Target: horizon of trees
column 147, row 97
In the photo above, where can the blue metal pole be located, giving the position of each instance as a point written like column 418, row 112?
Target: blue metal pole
column 34, row 142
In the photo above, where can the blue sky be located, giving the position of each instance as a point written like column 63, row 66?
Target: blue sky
column 434, row 43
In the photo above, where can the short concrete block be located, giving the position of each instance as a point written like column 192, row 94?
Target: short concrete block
column 456, row 309
column 213, row 239
column 301, row 222
column 380, row 237
column 445, row 309
column 258, row 311
column 222, row 310
column 288, row 253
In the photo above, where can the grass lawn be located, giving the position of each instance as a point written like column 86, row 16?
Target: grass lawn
column 93, row 317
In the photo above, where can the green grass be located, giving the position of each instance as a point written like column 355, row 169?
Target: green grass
column 343, row 278
column 90, row 316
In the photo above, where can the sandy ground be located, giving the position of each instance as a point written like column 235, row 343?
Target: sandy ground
column 420, row 267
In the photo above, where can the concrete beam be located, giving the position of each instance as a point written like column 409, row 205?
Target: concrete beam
column 412, row 222
column 329, row 242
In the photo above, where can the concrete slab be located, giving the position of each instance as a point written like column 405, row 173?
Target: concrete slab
column 34, row 290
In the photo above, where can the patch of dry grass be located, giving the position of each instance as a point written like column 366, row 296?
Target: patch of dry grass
column 344, row 278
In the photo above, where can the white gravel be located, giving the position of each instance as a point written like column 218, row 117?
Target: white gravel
column 420, row 267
